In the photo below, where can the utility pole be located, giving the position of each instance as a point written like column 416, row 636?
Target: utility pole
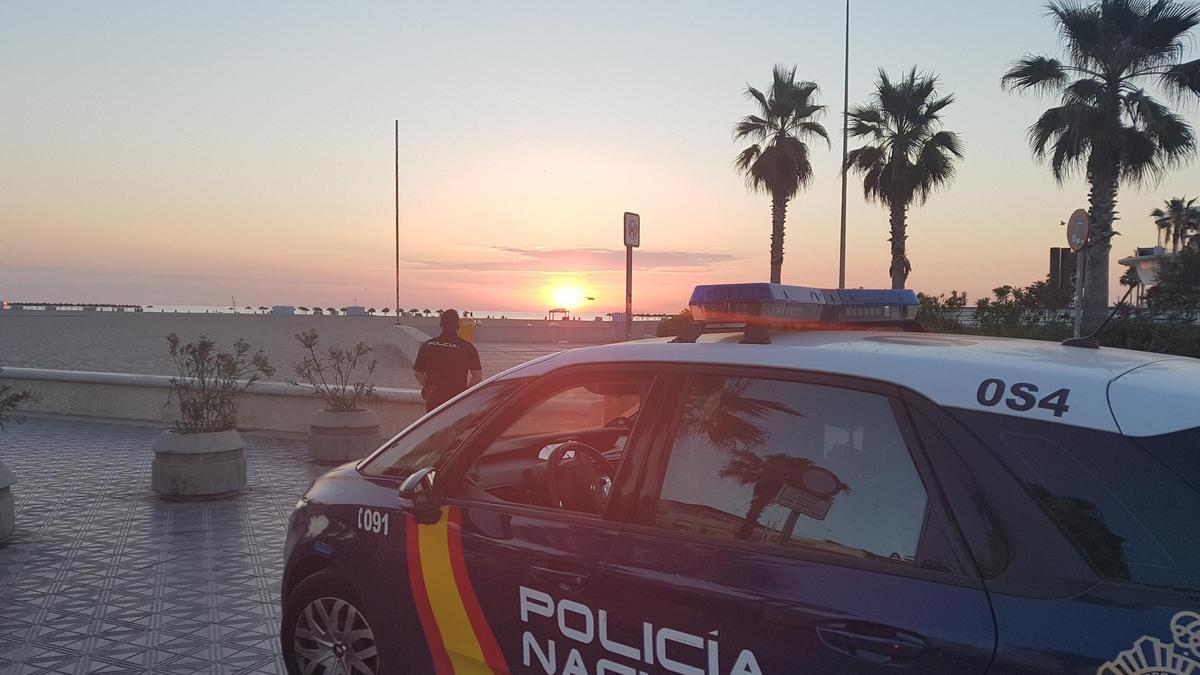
column 845, row 151
column 397, row 138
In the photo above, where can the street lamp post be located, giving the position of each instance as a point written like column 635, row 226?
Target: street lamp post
column 397, row 140
column 845, row 140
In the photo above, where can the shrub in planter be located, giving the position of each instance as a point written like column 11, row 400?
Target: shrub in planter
column 344, row 429
column 203, row 456
column 10, row 399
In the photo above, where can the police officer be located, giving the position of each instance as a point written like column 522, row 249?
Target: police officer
column 447, row 364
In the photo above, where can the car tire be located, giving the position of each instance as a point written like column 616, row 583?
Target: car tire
column 323, row 621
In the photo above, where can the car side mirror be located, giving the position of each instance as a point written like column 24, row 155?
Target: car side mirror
column 419, row 496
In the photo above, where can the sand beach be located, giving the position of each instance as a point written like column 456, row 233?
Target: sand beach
column 136, row 342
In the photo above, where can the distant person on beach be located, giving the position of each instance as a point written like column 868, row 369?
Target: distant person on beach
column 447, row 364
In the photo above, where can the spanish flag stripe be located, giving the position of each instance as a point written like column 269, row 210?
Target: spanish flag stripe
column 433, row 638
column 458, row 635
column 487, row 641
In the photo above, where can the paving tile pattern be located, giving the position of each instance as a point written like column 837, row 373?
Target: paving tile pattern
column 102, row 576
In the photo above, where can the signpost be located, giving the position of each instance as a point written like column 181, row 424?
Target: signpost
column 631, row 224
column 1079, row 232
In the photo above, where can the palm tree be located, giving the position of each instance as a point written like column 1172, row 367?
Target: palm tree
column 1178, row 222
column 1107, row 127
column 907, row 156
column 777, row 162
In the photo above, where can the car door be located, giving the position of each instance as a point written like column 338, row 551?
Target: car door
column 372, row 545
column 510, row 576
column 792, row 525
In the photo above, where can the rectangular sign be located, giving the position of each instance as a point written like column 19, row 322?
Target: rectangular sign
column 802, row 502
column 632, row 223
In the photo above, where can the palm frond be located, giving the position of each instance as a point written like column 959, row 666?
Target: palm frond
column 1085, row 91
column 746, row 159
column 1159, row 37
column 763, row 105
column 1182, row 78
column 752, row 126
column 1171, row 134
column 812, row 129
column 1037, row 73
column 1081, row 28
column 1140, row 160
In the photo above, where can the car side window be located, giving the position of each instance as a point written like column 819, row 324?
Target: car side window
column 437, row 435
column 523, row 463
column 793, row 465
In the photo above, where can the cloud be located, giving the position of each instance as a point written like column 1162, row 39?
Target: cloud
column 581, row 260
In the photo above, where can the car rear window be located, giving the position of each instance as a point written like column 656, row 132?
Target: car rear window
column 1180, row 451
column 1131, row 514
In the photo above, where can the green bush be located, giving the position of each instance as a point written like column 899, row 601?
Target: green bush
column 674, row 325
column 1178, row 287
column 1151, row 333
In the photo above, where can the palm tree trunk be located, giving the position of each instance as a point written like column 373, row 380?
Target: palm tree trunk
column 761, row 499
column 778, row 214
column 900, row 267
column 1103, row 202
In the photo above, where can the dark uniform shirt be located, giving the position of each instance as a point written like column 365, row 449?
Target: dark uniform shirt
column 447, row 361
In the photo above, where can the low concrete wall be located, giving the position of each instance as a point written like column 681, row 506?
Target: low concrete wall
column 407, row 339
column 272, row 406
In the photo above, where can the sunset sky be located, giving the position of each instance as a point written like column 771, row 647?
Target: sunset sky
column 181, row 153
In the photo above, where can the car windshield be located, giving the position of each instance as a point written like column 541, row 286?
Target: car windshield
column 437, row 436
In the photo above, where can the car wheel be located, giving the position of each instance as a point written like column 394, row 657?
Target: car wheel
column 325, row 632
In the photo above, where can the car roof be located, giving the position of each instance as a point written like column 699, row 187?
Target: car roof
column 948, row 369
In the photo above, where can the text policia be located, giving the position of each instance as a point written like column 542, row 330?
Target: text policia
column 662, row 649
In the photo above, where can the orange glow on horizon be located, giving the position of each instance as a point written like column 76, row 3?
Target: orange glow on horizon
column 566, row 294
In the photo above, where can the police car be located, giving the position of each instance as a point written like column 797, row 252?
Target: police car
column 786, row 489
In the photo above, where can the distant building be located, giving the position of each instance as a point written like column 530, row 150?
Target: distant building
column 283, row 310
column 355, row 310
column 1147, row 260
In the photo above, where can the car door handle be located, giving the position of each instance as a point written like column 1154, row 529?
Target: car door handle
column 566, row 578
column 871, row 642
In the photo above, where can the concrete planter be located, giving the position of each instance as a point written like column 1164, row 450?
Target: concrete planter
column 198, row 466
column 8, row 520
column 337, row 437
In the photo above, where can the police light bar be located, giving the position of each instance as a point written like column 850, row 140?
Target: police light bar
column 779, row 304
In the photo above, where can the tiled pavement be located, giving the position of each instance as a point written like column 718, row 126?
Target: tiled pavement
column 101, row 576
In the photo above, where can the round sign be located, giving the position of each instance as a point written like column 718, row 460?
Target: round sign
column 820, row 482
column 1079, row 230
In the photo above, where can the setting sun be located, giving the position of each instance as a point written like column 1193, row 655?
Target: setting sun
column 567, row 295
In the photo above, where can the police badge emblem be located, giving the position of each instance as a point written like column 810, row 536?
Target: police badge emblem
column 1151, row 656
